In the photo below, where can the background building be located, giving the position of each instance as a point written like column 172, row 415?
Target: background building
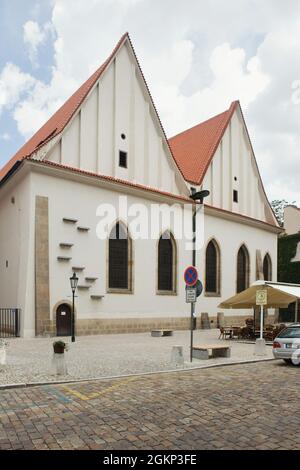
column 289, row 259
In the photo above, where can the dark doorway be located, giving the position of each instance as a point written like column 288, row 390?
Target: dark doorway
column 63, row 320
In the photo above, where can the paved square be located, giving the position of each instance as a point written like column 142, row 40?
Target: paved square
column 253, row 406
column 110, row 355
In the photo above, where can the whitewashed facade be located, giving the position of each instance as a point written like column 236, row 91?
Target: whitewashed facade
column 49, row 201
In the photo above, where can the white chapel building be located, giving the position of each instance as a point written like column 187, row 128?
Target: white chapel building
column 107, row 144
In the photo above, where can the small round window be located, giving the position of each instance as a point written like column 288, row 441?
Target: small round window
column 123, row 136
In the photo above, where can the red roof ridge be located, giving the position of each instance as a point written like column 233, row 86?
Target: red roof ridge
column 194, row 148
column 59, row 120
column 155, row 110
column 222, row 127
column 205, row 121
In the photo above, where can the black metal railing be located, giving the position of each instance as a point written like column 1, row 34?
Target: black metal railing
column 10, row 322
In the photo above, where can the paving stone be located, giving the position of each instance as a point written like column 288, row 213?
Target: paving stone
column 253, row 406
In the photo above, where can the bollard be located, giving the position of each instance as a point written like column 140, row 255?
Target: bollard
column 177, row 358
column 59, row 364
column 260, row 347
column 2, row 356
column 205, row 323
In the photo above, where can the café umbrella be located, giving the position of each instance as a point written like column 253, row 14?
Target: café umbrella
column 279, row 295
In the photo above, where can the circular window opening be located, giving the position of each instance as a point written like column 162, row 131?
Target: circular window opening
column 235, row 178
column 123, row 136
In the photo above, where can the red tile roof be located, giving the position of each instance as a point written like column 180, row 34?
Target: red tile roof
column 61, row 118
column 194, row 148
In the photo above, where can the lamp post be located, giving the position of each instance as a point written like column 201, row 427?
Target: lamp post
column 73, row 282
column 196, row 196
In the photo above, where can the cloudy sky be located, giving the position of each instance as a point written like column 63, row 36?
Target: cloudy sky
column 197, row 57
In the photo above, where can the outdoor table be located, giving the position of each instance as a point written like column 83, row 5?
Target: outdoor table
column 236, row 330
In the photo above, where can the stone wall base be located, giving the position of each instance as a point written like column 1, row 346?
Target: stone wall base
column 139, row 325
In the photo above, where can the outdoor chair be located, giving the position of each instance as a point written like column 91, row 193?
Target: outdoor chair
column 224, row 332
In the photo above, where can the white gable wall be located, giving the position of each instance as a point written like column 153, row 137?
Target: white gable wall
column 119, row 104
column 234, row 159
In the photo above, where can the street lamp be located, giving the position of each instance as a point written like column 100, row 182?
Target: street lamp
column 196, row 196
column 73, row 282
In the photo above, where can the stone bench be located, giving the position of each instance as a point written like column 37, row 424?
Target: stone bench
column 157, row 333
column 217, row 350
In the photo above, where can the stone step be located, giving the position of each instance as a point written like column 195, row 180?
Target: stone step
column 66, row 245
column 91, row 279
column 63, row 258
column 69, row 220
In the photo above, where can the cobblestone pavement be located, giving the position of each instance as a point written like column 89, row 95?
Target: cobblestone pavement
column 253, row 406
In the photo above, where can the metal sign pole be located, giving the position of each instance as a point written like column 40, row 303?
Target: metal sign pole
column 261, row 300
column 192, row 330
column 261, row 321
column 193, row 289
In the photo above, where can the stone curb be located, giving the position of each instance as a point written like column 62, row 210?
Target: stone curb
column 141, row 374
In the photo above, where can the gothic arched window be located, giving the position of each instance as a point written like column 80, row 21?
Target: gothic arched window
column 212, row 268
column 167, row 263
column 267, row 268
column 119, row 258
column 243, row 269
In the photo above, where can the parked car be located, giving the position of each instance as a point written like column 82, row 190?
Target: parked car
column 286, row 345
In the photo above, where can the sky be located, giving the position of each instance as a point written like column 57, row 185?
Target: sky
column 197, row 57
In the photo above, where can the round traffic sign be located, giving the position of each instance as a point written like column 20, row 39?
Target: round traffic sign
column 199, row 288
column 191, row 276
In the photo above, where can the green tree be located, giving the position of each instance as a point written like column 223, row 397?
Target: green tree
column 278, row 206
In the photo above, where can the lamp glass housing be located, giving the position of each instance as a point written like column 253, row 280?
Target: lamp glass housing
column 74, row 282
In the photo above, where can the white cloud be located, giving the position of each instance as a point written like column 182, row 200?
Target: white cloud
column 13, row 84
column 196, row 60
column 44, row 100
column 34, row 36
column 232, row 78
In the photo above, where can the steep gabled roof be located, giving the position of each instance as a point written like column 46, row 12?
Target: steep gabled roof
column 194, row 148
column 56, row 124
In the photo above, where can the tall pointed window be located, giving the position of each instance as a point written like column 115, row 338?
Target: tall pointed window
column 243, row 269
column 167, row 264
column 212, row 269
column 119, row 262
column 267, row 268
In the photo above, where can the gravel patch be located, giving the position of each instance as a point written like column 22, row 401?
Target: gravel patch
column 30, row 360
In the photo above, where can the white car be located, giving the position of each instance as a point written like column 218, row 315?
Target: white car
column 286, row 345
